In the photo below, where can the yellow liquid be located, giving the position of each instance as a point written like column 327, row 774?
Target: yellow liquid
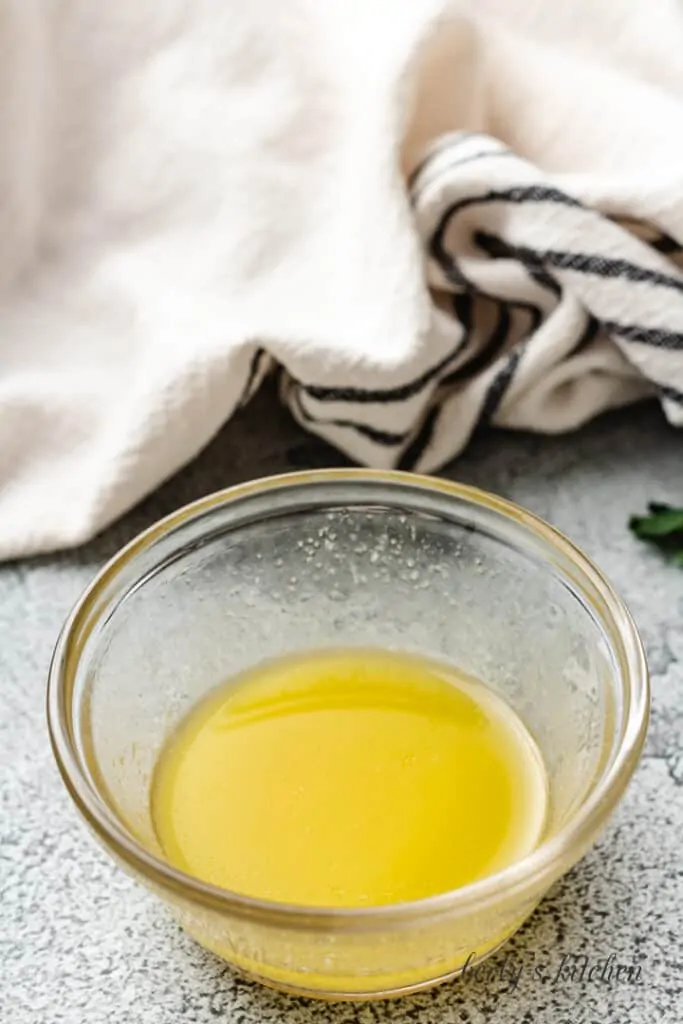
column 349, row 778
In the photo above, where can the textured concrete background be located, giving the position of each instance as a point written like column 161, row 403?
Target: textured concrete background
column 82, row 944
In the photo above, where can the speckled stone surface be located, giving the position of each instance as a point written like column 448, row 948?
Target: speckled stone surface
column 80, row 943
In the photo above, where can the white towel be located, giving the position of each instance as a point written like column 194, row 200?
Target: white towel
column 421, row 215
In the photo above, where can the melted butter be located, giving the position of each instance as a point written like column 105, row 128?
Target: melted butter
column 349, row 778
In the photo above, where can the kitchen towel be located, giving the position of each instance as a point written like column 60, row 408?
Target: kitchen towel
column 421, row 216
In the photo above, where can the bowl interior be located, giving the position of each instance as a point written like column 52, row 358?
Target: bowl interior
column 279, row 572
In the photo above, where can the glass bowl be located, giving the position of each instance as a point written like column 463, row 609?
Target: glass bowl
column 324, row 560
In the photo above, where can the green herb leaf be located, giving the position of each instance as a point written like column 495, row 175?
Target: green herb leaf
column 663, row 527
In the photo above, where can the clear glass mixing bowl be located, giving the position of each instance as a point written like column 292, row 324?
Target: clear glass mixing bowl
column 359, row 558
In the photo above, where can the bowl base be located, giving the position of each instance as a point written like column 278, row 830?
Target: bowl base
column 355, row 996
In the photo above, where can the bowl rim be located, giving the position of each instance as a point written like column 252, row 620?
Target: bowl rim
column 536, row 871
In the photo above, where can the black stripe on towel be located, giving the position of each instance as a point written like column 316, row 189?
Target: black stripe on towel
column 517, row 195
column 456, row 277
column 655, row 336
column 421, row 177
column 599, row 266
column 417, row 447
column 497, row 249
column 446, row 142
column 398, row 393
column 500, row 384
column 496, row 342
column 386, row 438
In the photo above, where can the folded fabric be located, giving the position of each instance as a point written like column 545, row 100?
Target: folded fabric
column 421, row 216
column 547, row 313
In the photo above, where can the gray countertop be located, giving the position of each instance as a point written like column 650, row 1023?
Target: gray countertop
column 80, row 943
